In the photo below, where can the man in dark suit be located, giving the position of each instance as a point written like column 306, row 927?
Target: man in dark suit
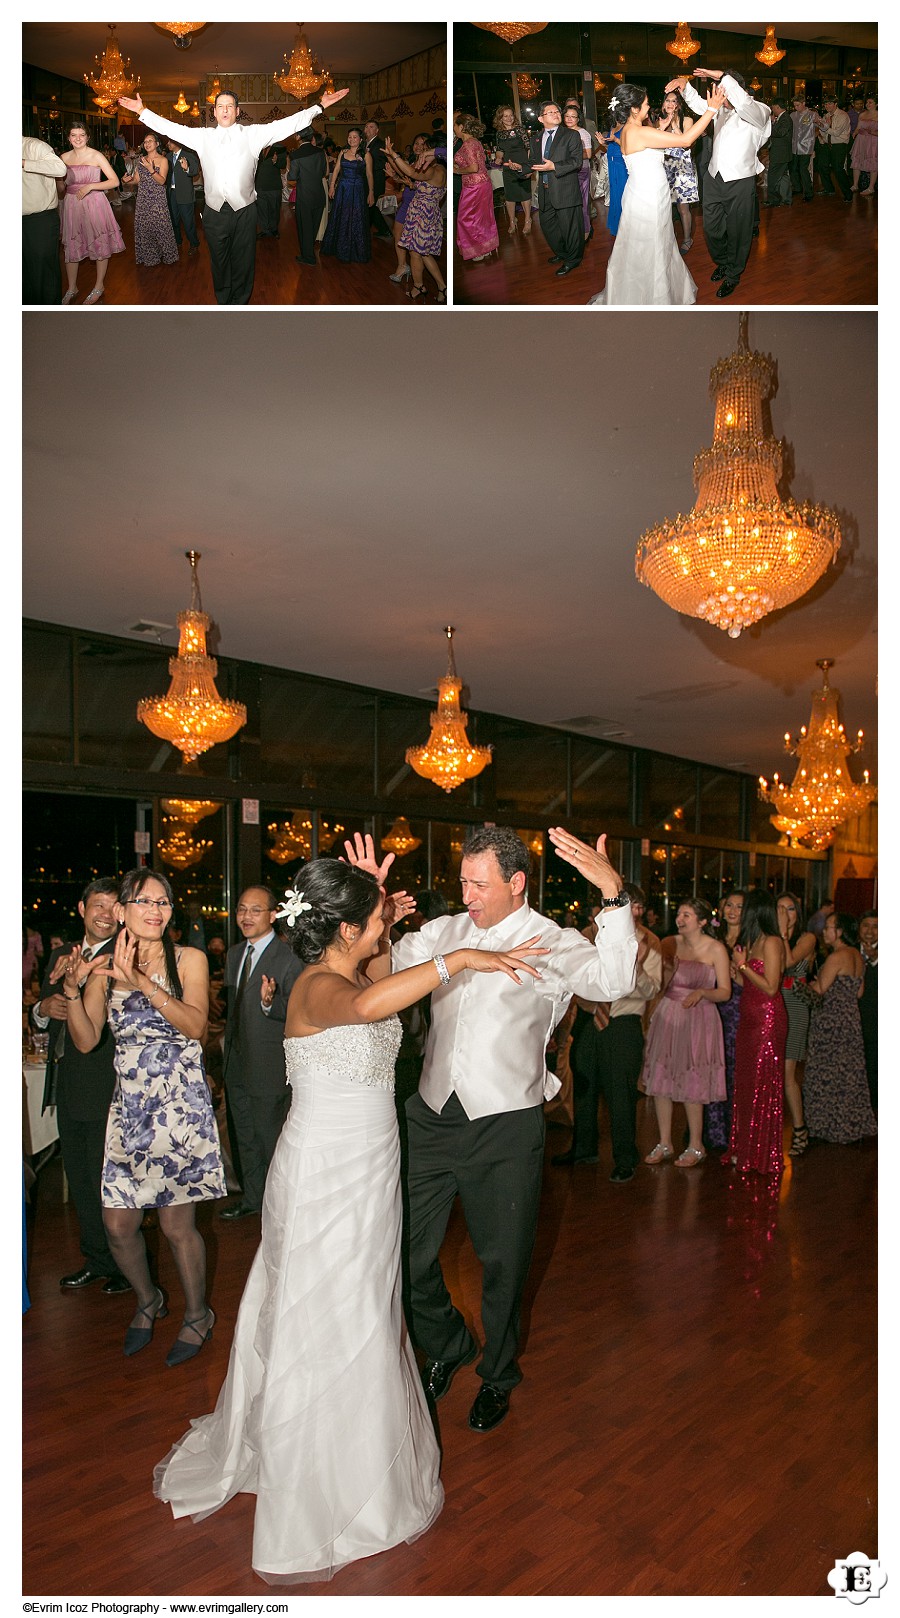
column 377, row 153
column 556, row 158
column 183, row 165
column 259, row 976
column 778, row 178
column 306, row 173
column 272, row 162
column 81, row 1085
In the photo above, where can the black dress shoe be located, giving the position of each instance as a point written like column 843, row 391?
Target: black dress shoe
column 566, row 269
column 620, row 1176
column 489, row 1408
column 117, row 1283
column 239, row 1211
column 438, row 1374
column 567, row 1159
column 756, row 230
column 717, row 274
column 726, row 289
column 556, row 259
column 82, row 1278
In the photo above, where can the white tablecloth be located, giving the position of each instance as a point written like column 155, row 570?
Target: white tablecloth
column 39, row 1130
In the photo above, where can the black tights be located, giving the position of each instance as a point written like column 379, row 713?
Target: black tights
column 127, row 1245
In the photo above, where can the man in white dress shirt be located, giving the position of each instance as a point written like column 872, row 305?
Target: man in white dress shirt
column 476, row 1125
column 740, row 128
column 228, row 156
column 41, row 168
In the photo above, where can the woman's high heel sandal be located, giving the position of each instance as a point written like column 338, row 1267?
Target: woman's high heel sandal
column 416, row 292
column 799, row 1141
column 180, row 1350
column 137, row 1337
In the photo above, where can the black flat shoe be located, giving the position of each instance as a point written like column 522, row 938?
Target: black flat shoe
column 117, row 1283
column 137, row 1337
column 180, row 1350
column 566, row 1160
column 81, row 1278
column 717, row 274
column 490, row 1408
column 726, row 289
column 438, row 1374
column 556, row 259
column 239, row 1211
column 566, row 269
column 620, row 1176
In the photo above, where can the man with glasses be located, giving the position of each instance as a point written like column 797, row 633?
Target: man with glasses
column 260, row 973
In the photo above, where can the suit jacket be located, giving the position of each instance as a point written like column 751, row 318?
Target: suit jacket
column 567, row 155
column 256, row 1060
column 268, row 169
column 180, row 186
column 379, row 160
column 307, row 171
column 81, row 1081
column 782, row 136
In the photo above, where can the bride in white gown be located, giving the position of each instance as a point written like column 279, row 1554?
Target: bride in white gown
column 322, row 1414
column 645, row 265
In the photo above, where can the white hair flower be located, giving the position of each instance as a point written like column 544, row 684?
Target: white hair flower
column 293, row 907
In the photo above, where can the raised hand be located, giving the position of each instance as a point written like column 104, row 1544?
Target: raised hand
column 78, row 970
column 426, row 160
column 678, row 84
column 397, row 906
column 511, row 961
column 716, row 98
column 707, row 72
column 592, row 863
column 361, row 853
column 131, row 103
column 332, row 96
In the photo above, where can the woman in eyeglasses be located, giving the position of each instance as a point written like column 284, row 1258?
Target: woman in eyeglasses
column 162, row 1146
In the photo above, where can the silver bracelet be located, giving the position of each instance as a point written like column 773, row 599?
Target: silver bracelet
column 441, row 965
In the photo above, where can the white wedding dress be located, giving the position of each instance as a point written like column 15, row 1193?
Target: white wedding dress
column 645, row 265
column 322, row 1414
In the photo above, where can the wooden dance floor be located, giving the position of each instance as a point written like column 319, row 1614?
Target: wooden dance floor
column 821, row 252
column 278, row 279
column 697, row 1415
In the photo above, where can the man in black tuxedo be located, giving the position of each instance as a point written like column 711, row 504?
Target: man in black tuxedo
column 272, row 161
column 556, row 158
column 376, row 151
column 183, row 165
column 259, row 976
column 81, row 1084
column 778, row 178
column 306, row 173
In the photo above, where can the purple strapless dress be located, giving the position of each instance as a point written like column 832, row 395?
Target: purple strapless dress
column 685, row 1053
column 88, row 227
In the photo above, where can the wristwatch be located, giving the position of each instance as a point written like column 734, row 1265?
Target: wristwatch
column 618, row 903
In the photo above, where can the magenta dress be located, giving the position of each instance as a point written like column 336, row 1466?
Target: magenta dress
column 88, row 228
column 757, row 1114
column 476, row 226
column 684, row 1057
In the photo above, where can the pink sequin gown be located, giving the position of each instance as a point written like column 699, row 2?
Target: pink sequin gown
column 476, row 226
column 88, row 227
column 684, row 1056
column 757, row 1117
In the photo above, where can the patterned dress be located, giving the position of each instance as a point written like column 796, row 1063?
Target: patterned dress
column 162, row 1145
column 797, row 1010
column 836, row 1102
column 348, row 233
column 679, row 167
column 88, row 227
column 717, row 1116
column 423, row 226
column 757, row 1116
column 154, row 238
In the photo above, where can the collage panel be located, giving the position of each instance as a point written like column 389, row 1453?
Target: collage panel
column 629, row 163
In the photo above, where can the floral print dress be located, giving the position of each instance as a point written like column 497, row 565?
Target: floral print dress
column 162, row 1145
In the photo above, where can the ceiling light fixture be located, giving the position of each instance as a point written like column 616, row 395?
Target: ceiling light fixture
column 192, row 716
column 684, row 46
column 448, row 757
column 823, row 793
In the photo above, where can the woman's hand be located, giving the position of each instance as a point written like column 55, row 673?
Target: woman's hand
column 361, row 853
column 676, row 84
column 511, row 961
column 146, row 164
column 77, row 971
column 397, row 906
column 738, row 959
column 122, row 965
column 82, row 192
column 371, row 201
column 593, row 864
column 693, row 999
column 716, row 98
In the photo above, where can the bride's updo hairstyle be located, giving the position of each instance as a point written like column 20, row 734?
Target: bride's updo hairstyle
column 325, row 894
column 626, row 98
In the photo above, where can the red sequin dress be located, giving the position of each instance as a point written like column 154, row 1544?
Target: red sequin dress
column 757, row 1118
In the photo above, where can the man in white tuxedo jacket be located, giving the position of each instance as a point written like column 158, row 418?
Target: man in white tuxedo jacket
column 476, row 1125
column 740, row 128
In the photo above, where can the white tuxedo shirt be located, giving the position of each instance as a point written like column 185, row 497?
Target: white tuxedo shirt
column 738, row 131
column 489, row 1035
column 228, row 157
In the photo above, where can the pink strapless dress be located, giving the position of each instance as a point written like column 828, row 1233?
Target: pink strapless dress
column 685, row 1052
column 88, row 228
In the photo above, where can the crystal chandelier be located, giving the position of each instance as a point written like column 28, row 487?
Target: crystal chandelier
column 181, row 105
column 182, row 32
column 293, row 838
column 190, row 811
column 684, row 46
column 527, row 85
column 192, row 716
column 400, row 840
column 448, row 757
column 742, row 551
column 215, row 89
column 304, row 75
column 822, row 794
column 112, row 77
column 770, row 54
column 195, row 111
column 512, row 32
column 178, row 848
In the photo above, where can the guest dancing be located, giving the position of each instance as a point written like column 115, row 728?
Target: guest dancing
column 864, row 151
column 572, row 120
column 307, row 173
column 717, row 1115
column 679, row 165
column 512, row 142
column 617, row 170
column 154, row 238
column 645, row 265
column 87, row 222
column 162, row 1146
column 729, row 188
column 476, row 225
column 422, row 232
column 757, row 1117
column 684, row 1058
column 403, row 271
column 835, row 1088
column 557, row 158
column 322, row 1414
column 800, row 955
column 348, row 232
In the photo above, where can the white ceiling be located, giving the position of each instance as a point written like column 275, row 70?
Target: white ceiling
column 354, row 481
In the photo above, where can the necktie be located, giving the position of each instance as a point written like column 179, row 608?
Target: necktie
column 242, row 984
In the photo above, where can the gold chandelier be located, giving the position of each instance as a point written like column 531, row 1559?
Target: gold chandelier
column 400, row 840
column 293, row 838
column 182, row 32
column 448, row 757
column 304, row 75
column 770, row 54
column 190, row 811
column 195, row 111
column 112, row 77
column 178, row 848
column 822, row 794
column 192, row 716
column 528, row 86
column 512, row 32
column 215, row 89
column 741, row 552
column 181, row 105
column 684, row 46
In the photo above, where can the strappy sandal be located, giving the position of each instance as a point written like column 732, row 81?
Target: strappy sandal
column 95, row 296
column 799, row 1141
column 180, row 1350
column 686, row 245
column 138, row 1337
column 69, row 297
column 690, row 1157
column 660, row 1154
column 526, row 228
column 414, row 293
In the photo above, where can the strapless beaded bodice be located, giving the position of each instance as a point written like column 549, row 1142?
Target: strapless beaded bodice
column 364, row 1053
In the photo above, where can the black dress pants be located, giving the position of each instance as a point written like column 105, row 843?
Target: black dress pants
column 231, row 239
column 801, row 179
column 495, row 1166
column 777, row 183
column 837, row 167
column 82, row 1142
column 182, row 214
column 258, row 1121
column 563, row 227
column 376, row 218
column 308, row 214
column 608, row 1062
column 729, row 209
column 41, row 278
column 268, row 212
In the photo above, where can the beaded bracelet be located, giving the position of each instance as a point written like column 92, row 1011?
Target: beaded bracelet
column 442, row 971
